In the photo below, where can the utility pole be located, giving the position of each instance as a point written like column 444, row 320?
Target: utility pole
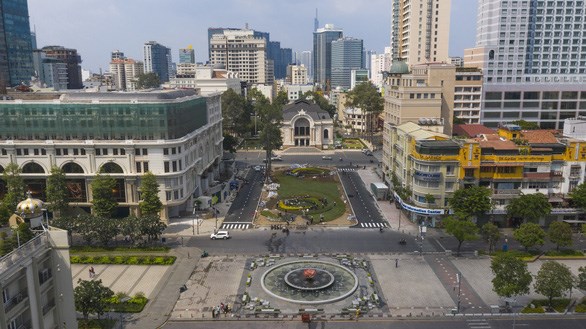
column 459, row 280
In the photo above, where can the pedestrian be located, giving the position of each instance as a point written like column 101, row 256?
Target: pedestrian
column 222, row 307
column 396, row 262
column 213, row 312
column 217, row 311
column 90, row 272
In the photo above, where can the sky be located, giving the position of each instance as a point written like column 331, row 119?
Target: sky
column 97, row 27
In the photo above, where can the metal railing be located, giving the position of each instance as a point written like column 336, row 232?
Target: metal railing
column 17, row 299
column 20, row 255
column 47, row 307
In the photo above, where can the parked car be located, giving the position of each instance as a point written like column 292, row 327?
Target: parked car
column 256, row 168
column 368, row 153
column 326, row 157
column 220, row 235
column 276, row 158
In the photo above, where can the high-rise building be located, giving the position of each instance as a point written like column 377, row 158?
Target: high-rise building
column 125, row 73
column 187, row 55
column 297, row 75
column 347, row 55
column 315, row 22
column 322, row 54
column 420, row 30
column 243, row 53
column 71, row 59
column 533, row 58
column 306, row 59
column 117, row 54
column 380, row 63
column 49, row 72
column 157, row 59
column 16, row 52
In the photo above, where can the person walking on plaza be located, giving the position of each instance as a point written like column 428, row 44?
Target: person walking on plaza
column 396, row 262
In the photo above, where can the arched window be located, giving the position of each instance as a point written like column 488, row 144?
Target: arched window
column 33, row 168
column 491, row 55
column 326, row 134
column 302, row 127
column 111, row 168
column 72, row 168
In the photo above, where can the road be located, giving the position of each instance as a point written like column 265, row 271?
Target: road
column 363, row 204
column 436, row 323
column 315, row 240
column 242, row 210
column 349, row 157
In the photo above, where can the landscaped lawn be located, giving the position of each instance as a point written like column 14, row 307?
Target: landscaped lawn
column 316, row 188
column 353, row 143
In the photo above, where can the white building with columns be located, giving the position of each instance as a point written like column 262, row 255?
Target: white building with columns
column 305, row 124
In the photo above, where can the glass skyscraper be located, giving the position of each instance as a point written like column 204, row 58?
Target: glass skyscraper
column 157, row 59
column 187, row 55
column 16, row 54
column 322, row 53
column 347, row 55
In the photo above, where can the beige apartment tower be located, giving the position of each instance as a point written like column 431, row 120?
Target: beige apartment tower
column 420, row 30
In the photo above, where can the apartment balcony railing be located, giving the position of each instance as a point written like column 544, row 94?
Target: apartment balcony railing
column 47, row 307
column 506, row 192
column 17, row 299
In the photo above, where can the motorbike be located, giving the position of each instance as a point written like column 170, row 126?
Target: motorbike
column 402, row 242
column 204, row 254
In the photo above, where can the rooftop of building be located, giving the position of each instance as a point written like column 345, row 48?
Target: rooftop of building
column 496, row 142
column 539, row 137
column 147, row 96
column 310, row 108
column 471, row 130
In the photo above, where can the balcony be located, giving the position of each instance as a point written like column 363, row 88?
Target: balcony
column 14, row 301
column 506, row 192
column 49, row 306
column 45, row 275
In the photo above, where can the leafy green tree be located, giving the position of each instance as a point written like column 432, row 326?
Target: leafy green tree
column 281, row 99
column 530, row 207
column 87, row 228
column 147, row 81
column 462, row 230
column 230, row 143
column 429, row 199
column 236, row 111
column 56, row 191
column 5, row 244
column 105, row 229
column 103, row 202
column 319, row 99
column 68, row 223
column 553, row 280
column 15, row 193
column 526, row 125
column 581, row 284
column 579, row 196
column 529, row 235
column 24, row 233
column 472, row 201
column 270, row 117
column 366, row 97
column 560, row 233
column 491, row 235
column 131, row 227
column 150, row 203
column 91, row 297
column 152, row 227
column 511, row 277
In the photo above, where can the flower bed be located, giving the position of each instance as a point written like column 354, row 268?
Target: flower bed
column 123, row 260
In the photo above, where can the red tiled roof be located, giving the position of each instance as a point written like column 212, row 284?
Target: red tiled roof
column 539, row 136
column 471, row 130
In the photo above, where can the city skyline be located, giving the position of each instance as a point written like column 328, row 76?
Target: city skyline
column 184, row 22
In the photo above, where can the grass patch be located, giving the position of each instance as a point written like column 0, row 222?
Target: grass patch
column 320, row 188
column 269, row 214
column 251, row 143
column 537, row 309
column 559, row 304
column 96, row 324
column 123, row 260
column 310, row 171
column 581, row 308
column 352, row 143
column 523, row 255
column 88, row 249
column 564, row 253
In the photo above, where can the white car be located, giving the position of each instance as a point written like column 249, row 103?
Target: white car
column 256, row 168
column 326, row 157
column 220, row 235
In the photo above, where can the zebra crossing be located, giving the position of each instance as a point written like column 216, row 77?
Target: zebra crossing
column 235, row 226
column 373, row 225
column 478, row 324
column 346, row 169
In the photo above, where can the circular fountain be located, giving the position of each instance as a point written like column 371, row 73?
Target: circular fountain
column 309, row 282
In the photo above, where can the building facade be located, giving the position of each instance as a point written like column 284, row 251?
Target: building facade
column 176, row 135
column 322, row 54
column 468, row 94
column 49, row 72
column 187, row 55
column 126, row 72
column 533, row 58
column 37, row 291
column 157, row 59
column 305, row 124
column 16, row 62
column 72, row 61
column 420, row 30
column 347, row 55
column 297, row 75
column 205, row 79
column 241, row 52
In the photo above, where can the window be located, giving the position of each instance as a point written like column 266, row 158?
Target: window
column 166, row 166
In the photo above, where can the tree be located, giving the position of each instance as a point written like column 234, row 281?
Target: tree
column 230, row 143
column 472, row 201
column 529, row 235
column 319, row 99
column 462, row 230
column 131, row 227
column 152, row 227
column 560, row 233
column 366, row 97
column 147, row 81
column 553, row 280
column 68, row 223
column 91, row 297
column 105, row 229
column 15, row 193
column 236, row 112
column 150, row 203
column 491, row 235
column 530, row 207
column 581, row 284
column 56, row 191
column 511, row 277
column 103, row 202
column 429, row 199
column 281, row 99
column 526, row 125
column 270, row 117
column 24, row 233
column 579, row 196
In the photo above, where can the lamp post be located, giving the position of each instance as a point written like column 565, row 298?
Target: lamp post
column 459, row 280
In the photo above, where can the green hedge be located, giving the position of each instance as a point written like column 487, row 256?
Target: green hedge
column 96, row 324
column 124, row 260
column 559, row 304
column 581, row 308
column 537, row 309
column 564, row 253
column 87, row 249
